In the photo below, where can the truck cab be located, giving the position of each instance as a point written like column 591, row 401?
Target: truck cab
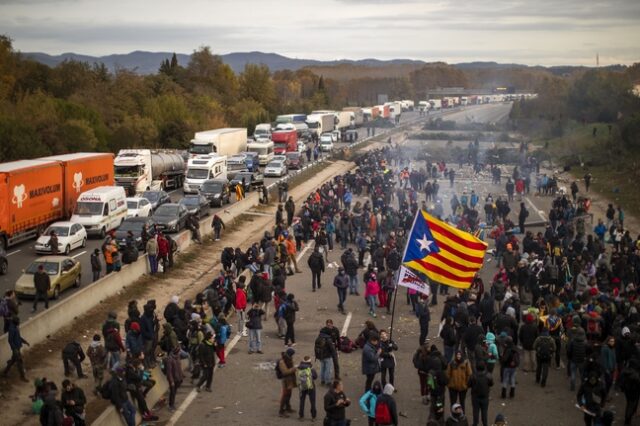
column 264, row 150
column 202, row 168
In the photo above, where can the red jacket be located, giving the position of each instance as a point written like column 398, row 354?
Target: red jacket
column 241, row 299
column 163, row 247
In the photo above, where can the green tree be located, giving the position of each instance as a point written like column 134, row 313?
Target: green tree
column 256, row 84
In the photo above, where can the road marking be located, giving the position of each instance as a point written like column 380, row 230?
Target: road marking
column 193, row 394
column 13, row 252
column 304, row 250
column 345, row 326
column 533, row 206
column 79, row 254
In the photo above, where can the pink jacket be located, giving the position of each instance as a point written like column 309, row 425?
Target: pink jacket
column 373, row 288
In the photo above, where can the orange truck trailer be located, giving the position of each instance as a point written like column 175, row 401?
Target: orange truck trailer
column 35, row 193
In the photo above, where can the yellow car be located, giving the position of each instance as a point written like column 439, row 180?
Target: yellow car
column 63, row 271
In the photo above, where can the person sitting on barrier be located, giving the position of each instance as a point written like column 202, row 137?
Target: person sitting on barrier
column 73, row 401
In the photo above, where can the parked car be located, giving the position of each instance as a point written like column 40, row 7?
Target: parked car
column 4, row 262
column 196, row 204
column 295, row 160
column 63, row 271
column 138, row 206
column 135, row 225
column 70, row 236
column 156, row 198
column 251, row 179
column 326, row 142
column 171, row 217
column 281, row 157
column 216, row 191
column 275, row 168
column 331, row 135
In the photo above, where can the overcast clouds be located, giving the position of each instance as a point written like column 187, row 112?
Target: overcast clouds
column 547, row 32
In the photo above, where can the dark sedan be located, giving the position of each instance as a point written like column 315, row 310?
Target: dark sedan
column 295, row 159
column 197, row 205
column 171, row 217
column 135, row 225
column 251, row 180
column 216, row 191
column 156, row 198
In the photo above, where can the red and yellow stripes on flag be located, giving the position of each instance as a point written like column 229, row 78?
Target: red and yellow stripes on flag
column 461, row 255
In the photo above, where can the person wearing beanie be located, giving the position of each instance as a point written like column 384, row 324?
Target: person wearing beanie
column 577, row 356
column 544, row 348
column 500, row 420
column 386, row 410
column 97, row 354
column 289, row 314
column 480, row 383
column 73, row 354
column 306, row 376
column 171, row 311
column 457, row 417
column 133, row 341
column 368, row 402
column 287, row 371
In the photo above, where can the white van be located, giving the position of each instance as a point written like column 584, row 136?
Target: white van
column 101, row 209
column 263, row 149
column 204, row 167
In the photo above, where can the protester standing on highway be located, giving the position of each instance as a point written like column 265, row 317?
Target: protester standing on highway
column 370, row 359
column 98, row 357
column 207, row 358
column 193, row 224
column 306, row 377
column 217, row 224
column 316, row 264
column 53, row 243
column 458, row 372
column 290, row 208
column 175, row 376
column 8, row 308
column 480, row 383
column 290, row 244
column 387, row 358
column 286, row 372
column 73, row 354
column 152, row 254
column 341, row 283
column 96, row 265
column 15, row 343
column 254, row 324
column 163, row 252
column 239, row 191
column 112, row 339
column 522, row 216
column 240, row 304
column 335, row 402
column 291, row 307
column 544, row 347
column 368, row 402
column 42, row 284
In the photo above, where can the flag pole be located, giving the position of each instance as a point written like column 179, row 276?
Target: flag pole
column 404, row 253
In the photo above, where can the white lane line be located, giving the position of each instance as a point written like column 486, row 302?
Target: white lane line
column 79, row 254
column 304, row 250
column 192, row 395
column 13, row 252
column 533, row 206
column 345, row 326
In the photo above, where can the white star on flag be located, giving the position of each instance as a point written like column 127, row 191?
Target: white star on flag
column 424, row 243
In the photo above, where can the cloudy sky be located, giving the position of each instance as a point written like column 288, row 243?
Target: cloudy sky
column 547, row 32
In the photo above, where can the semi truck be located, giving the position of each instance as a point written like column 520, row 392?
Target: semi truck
column 384, row 111
column 139, row 170
column 35, row 193
column 395, row 110
column 291, row 118
column 321, row 123
column 264, row 149
column 424, row 106
column 284, row 141
column 358, row 115
column 262, row 131
column 344, row 120
column 436, row 104
column 226, row 141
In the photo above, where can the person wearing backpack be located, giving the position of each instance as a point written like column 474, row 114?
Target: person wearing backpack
column 286, row 373
column 316, row 264
column 305, row 377
column 386, row 409
column 324, row 350
column 509, row 362
column 368, row 402
column 175, row 376
column 544, row 348
column 480, row 383
column 222, row 335
column 98, row 357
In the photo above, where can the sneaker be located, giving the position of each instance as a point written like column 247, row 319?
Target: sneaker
column 245, row 334
column 221, row 365
column 208, row 389
column 261, row 353
column 250, row 352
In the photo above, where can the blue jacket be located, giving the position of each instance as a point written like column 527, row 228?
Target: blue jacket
column 370, row 364
column 347, row 197
column 147, row 327
column 134, row 342
column 15, row 339
column 368, row 403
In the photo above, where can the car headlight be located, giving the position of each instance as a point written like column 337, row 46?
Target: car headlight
column 172, row 223
column 216, row 195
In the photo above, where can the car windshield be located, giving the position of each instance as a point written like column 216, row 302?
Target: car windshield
column 132, row 205
column 166, row 210
column 61, row 231
column 211, row 187
column 197, row 173
column 88, row 208
column 190, row 201
column 151, row 196
column 293, row 155
column 50, row 268
column 274, row 164
column 131, row 225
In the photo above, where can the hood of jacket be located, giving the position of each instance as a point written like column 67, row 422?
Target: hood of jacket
column 490, row 337
column 388, row 389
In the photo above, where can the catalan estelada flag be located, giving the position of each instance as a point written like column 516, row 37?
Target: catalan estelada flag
column 443, row 253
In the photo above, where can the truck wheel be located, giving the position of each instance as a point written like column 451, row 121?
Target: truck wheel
column 56, row 293
column 3, row 243
column 4, row 267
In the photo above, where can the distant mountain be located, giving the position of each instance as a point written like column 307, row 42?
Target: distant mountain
column 149, row 62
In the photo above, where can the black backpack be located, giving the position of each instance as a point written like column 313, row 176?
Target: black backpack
column 543, row 351
column 278, row 371
column 105, row 391
column 321, row 347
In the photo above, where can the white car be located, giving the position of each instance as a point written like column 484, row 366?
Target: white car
column 70, row 236
column 279, row 158
column 275, row 168
column 330, row 135
column 138, row 207
column 326, row 142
